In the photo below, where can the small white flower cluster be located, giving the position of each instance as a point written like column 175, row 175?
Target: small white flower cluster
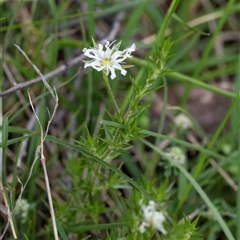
column 176, row 154
column 152, row 218
column 22, row 208
column 182, row 121
column 226, row 148
column 108, row 59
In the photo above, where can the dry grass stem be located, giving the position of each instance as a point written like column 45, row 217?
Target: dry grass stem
column 43, row 137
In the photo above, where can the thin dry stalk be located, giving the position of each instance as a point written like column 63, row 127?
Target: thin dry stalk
column 225, row 175
column 43, row 137
column 23, row 150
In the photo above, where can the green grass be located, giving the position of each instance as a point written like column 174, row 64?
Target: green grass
column 96, row 195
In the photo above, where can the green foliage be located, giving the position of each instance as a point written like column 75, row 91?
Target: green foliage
column 185, row 230
column 108, row 147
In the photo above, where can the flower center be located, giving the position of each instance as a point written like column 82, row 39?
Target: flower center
column 106, row 61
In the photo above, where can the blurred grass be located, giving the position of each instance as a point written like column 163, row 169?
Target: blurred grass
column 52, row 33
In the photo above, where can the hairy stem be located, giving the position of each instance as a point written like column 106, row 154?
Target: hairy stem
column 110, row 93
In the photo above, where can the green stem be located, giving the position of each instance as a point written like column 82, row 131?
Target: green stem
column 155, row 157
column 237, row 120
column 167, row 19
column 202, row 161
column 137, row 98
column 109, row 149
column 117, row 111
column 198, row 83
column 110, row 93
column 212, row 41
column 208, row 48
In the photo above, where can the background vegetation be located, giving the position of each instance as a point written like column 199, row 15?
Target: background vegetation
column 95, row 199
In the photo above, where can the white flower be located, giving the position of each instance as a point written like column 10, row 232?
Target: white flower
column 152, row 218
column 22, row 208
column 182, row 121
column 176, row 154
column 108, row 59
column 226, row 148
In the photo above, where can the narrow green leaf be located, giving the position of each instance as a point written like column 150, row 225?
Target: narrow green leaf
column 81, row 228
column 5, row 132
column 61, row 230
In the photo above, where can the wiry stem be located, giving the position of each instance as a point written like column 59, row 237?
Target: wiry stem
column 43, row 136
column 117, row 112
column 110, row 93
column 43, row 161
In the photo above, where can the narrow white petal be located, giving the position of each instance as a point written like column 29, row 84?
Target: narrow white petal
column 123, row 72
column 113, row 74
